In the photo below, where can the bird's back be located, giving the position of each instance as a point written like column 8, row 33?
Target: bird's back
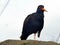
column 32, row 23
column 34, row 18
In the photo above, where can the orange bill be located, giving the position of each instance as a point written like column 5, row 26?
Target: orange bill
column 44, row 9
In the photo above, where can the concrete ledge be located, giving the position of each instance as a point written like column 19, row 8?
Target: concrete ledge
column 27, row 42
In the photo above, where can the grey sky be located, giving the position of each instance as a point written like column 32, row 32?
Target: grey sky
column 11, row 20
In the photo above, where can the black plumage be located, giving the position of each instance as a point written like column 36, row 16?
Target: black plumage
column 33, row 23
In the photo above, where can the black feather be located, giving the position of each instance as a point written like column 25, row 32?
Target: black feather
column 33, row 23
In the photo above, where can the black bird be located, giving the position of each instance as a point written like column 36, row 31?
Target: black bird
column 33, row 23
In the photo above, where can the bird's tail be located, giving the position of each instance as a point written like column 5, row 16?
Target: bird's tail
column 23, row 37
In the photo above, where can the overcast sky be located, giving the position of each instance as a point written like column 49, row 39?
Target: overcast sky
column 13, row 13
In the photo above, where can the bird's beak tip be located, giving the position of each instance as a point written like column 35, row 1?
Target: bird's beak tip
column 46, row 11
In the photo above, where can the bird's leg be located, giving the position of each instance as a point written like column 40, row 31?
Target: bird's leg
column 34, row 36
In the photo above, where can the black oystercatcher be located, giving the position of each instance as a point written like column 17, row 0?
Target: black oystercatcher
column 33, row 23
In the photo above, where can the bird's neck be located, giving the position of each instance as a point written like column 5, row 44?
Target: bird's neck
column 40, row 12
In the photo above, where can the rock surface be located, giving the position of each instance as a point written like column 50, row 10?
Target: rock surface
column 27, row 42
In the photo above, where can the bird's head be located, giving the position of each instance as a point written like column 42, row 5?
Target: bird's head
column 41, row 9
